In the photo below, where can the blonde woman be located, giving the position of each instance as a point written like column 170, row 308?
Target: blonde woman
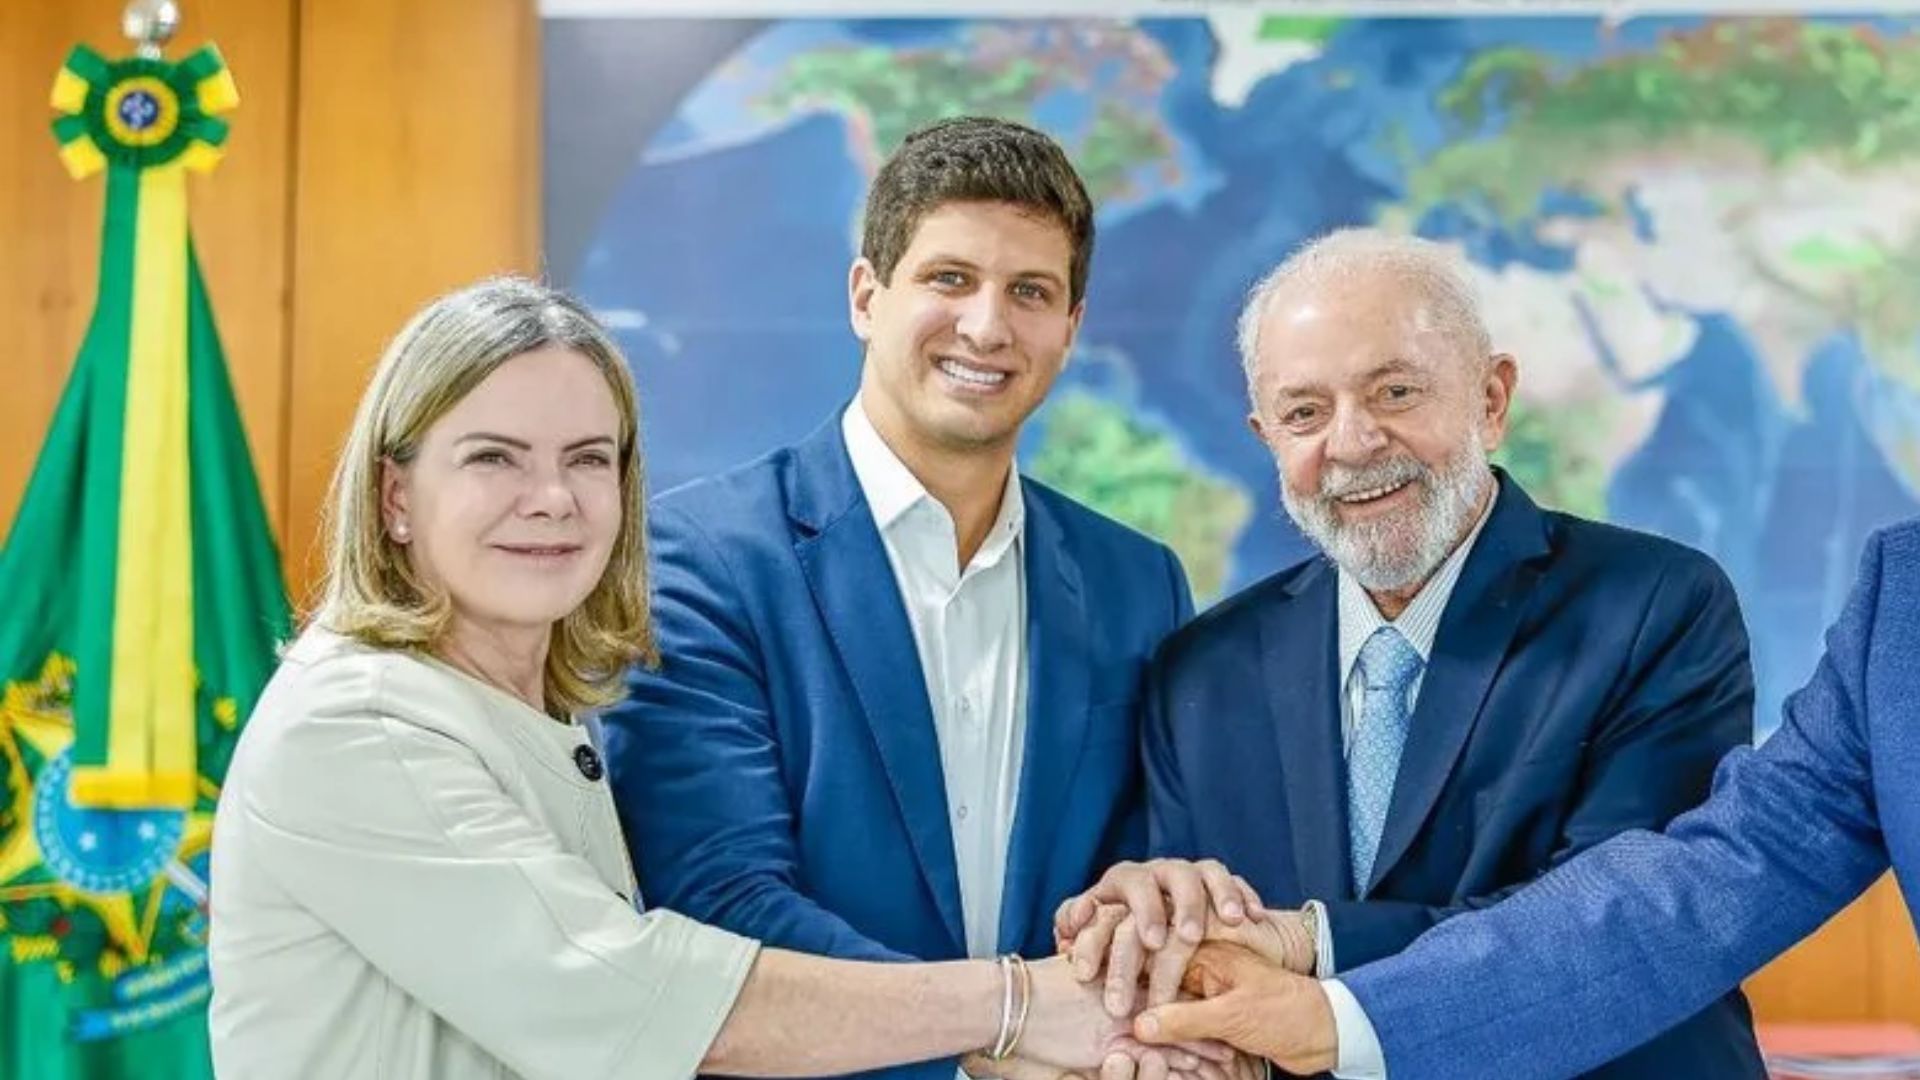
column 417, row 871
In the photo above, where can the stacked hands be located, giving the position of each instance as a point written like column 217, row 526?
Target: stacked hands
column 1174, row 970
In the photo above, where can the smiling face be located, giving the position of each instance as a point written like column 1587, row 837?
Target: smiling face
column 970, row 332
column 1381, row 423
column 513, row 502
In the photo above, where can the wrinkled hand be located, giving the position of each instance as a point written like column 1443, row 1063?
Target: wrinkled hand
column 1208, row 903
column 1189, row 886
column 1067, row 1027
column 1252, row 1005
column 1110, row 944
column 1068, row 1030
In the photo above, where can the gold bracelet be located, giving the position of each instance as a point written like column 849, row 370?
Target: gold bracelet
column 1001, row 1042
column 1026, row 1003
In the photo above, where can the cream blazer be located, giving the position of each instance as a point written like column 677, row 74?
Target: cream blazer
column 418, row 876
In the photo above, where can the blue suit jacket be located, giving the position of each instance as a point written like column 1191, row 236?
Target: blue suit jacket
column 1585, row 680
column 779, row 774
column 1625, row 940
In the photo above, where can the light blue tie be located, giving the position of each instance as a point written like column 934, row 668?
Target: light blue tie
column 1388, row 666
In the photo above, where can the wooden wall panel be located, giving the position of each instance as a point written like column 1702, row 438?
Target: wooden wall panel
column 1806, row 984
column 241, row 216
column 418, row 172
column 52, row 227
column 1894, row 956
column 1863, row 965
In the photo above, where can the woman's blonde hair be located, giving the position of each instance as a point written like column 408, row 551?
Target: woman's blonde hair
column 370, row 591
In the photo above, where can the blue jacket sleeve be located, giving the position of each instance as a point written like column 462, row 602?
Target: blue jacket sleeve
column 1689, row 702
column 1646, row 929
column 694, row 754
column 1169, row 825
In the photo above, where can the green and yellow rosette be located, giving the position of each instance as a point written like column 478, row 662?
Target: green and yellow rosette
column 141, row 114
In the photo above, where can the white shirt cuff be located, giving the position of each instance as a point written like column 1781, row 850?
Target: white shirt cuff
column 1322, row 942
column 1359, row 1056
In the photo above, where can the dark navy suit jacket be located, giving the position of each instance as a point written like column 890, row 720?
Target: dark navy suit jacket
column 1584, row 681
column 1641, row 931
column 779, row 774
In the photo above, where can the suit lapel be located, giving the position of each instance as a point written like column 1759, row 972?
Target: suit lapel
column 845, row 562
column 1475, row 633
column 1059, row 679
column 1298, row 657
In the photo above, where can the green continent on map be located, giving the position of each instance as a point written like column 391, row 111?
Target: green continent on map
column 1100, row 454
column 887, row 93
column 895, row 92
column 1556, row 454
column 1783, row 91
column 1785, row 86
column 1311, row 28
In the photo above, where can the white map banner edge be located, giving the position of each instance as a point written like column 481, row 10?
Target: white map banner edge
column 1618, row 11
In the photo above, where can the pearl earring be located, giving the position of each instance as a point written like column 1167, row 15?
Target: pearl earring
column 400, row 533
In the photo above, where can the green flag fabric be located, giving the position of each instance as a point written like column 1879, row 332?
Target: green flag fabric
column 140, row 606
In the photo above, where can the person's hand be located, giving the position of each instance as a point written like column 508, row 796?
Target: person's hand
column 1198, row 893
column 1129, row 1060
column 1067, row 1027
column 1069, row 1030
column 1189, row 886
column 1252, row 1005
column 1281, row 938
column 1137, row 1064
column 980, row 1066
column 1110, row 943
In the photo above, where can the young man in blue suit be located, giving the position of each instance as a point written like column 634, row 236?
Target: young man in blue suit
column 1467, row 690
column 895, row 714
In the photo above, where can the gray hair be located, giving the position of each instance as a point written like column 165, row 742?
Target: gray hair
column 1339, row 259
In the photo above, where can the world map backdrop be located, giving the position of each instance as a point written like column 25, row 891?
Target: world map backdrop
column 1700, row 237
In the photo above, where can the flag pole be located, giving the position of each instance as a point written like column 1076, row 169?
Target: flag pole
column 141, row 601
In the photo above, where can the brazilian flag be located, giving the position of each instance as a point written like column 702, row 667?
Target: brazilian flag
column 140, row 606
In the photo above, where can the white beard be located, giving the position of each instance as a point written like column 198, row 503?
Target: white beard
column 1402, row 550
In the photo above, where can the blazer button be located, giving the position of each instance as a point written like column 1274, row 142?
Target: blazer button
column 588, row 761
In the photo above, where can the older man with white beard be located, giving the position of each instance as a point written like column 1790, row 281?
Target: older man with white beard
column 1461, row 692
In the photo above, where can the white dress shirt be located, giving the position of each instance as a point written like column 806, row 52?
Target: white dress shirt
column 1360, row 1056
column 970, row 628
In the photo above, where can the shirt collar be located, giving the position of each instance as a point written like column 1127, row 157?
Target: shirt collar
column 893, row 492
column 1420, row 622
column 1008, row 523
